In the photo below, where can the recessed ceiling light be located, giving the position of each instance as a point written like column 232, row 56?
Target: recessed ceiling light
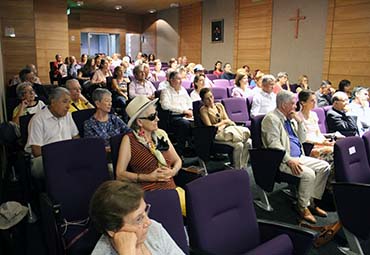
column 174, row 5
column 80, row 3
column 118, row 7
column 152, row 10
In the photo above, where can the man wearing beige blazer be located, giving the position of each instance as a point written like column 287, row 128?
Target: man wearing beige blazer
column 283, row 129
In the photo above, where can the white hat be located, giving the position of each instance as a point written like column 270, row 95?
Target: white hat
column 198, row 67
column 11, row 213
column 137, row 106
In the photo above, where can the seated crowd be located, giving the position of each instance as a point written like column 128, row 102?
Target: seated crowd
column 125, row 95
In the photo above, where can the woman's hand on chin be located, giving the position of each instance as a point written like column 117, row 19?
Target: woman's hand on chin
column 124, row 242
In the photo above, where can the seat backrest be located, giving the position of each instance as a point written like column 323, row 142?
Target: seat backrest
column 249, row 103
column 186, row 84
column 223, row 83
column 350, row 161
column 322, row 119
column 236, row 109
column 156, row 84
column 71, row 176
column 221, row 220
column 366, row 138
column 79, row 117
column 212, row 76
column 256, row 123
column 196, row 113
column 219, row 93
column 165, row 208
column 23, row 127
column 115, row 144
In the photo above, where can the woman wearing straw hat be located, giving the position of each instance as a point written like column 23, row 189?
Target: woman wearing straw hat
column 146, row 155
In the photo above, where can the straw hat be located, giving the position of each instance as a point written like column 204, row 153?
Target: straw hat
column 11, row 213
column 137, row 106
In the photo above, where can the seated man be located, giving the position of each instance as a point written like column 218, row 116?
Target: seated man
column 264, row 100
column 359, row 107
column 78, row 101
column 140, row 86
column 283, row 129
column 338, row 119
column 323, row 94
column 51, row 124
column 177, row 100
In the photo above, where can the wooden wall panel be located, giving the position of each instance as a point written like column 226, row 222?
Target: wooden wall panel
column 190, row 31
column 51, row 33
column 253, row 26
column 20, row 50
column 347, row 50
column 101, row 22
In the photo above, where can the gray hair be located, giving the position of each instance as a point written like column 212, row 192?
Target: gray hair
column 20, row 90
column 137, row 69
column 99, row 93
column 57, row 93
column 282, row 74
column 357, row 91
column 267, row 78
column 70, row 82
column 283, row 96
column 338, row 95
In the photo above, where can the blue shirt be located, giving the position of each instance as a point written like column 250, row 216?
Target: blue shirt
column 295, row 145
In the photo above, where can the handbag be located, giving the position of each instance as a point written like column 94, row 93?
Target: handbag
column 233, row 133
column 326, row 233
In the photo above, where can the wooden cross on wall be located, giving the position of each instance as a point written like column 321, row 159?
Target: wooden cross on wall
column 297, row 19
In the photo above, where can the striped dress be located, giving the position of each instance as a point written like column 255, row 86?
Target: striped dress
column 143, row 162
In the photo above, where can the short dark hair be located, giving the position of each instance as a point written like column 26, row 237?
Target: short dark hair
column 203, row 92
column 112, row 201
column 23, row 73
column 173, row 75
column 196, row 79
column 342, row 84
column 304, row 95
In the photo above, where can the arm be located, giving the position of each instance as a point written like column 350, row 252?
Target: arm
column 256, row 106
column 337, row 123
column 116, row 88
column 132, row 90
column 167, row 103
column 36, row 150
column 86, row 102
column 18, row 111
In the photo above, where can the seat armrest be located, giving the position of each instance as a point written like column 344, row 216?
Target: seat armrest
column 302, row 239
column 203, row 140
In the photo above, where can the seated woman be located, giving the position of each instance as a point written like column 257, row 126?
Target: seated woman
column 103, row 124
column 100, row 75
column 228, row 74
column 345, row 86
column 323, row 148
column 158, row 72
column 86, row 72
column 124, row 221
column 146, row 155
column 29, row 104
column 198, row 85
column 218, row 68
column 242, row 87
column 302, row 83
column 119, row 89
column 214, row 114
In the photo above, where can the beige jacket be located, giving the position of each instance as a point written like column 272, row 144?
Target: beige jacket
column 275, row 136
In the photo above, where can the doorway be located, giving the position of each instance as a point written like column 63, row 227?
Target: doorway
column 94, row 43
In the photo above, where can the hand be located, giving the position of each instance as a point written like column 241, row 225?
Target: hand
column 159, row 175
column 294, row 115
column 295, row 166
column 188, row 113
column 24, row 104
column 151, row 97
column 169, row 172
column 124, row 242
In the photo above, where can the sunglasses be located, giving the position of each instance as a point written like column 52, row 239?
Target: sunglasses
column 151, row 117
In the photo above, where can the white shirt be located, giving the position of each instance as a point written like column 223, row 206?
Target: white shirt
column 263, row 103
column 363, row 116
column 194, row 95
column 239, row 92
column 176, row 101
column 135, row 89
column 45, row 128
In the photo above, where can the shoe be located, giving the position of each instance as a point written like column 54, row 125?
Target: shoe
column 318, row 211
column 306, row 215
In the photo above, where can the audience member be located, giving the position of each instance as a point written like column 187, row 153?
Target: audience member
column 147, row 73
column 116, row 61
column 338, row 119
column 302, row 83
column 151, row 58
column 28, row 102
column 51, row 124
column 214, row 114
column 198, row 85
column 199, row 69
column 177, row 100
column 218, row 69
column 73, row 67
column 83, row 60
column 140, row 86
column 283, row 129
column 359, row 107
column 119, row 90
column 157, row 72
column 86, row 72
column 241, row 88
column 146, row 155
column 265, row 100
column 228, row 74
column 28, row 75
column 281, row 82
column 78, row 101
column 103, row 124
column 257, row 80
column 124, row 221
column 324, row 94
column 165, row 84
column 345, row 86
column 56, row 65
column 100, row 75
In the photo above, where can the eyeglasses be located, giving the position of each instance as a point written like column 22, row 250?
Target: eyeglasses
column 140, row 219
column 151, row 117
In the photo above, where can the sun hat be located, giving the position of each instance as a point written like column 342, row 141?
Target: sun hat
column 198, row 67
column 137, row 106
column 11, row 213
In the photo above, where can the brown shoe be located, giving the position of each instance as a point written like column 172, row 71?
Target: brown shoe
column 318, row 211
column 306, row 215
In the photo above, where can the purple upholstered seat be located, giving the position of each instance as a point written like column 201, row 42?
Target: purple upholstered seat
column 236, row 109
column 322, row 119
column 186, row 84
column 366, row 138
column 223, row 220
column 212, row 76
column 223, row 83
column 219, row 93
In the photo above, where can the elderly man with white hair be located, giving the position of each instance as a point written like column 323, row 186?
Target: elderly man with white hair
column 283, row 129
column 264, row 100
column 359, row 107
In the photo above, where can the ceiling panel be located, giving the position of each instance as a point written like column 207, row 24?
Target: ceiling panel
column 129, row 6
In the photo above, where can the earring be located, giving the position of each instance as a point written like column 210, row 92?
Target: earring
column 141, row 132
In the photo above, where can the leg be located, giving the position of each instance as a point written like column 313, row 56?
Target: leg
column 182, row 132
